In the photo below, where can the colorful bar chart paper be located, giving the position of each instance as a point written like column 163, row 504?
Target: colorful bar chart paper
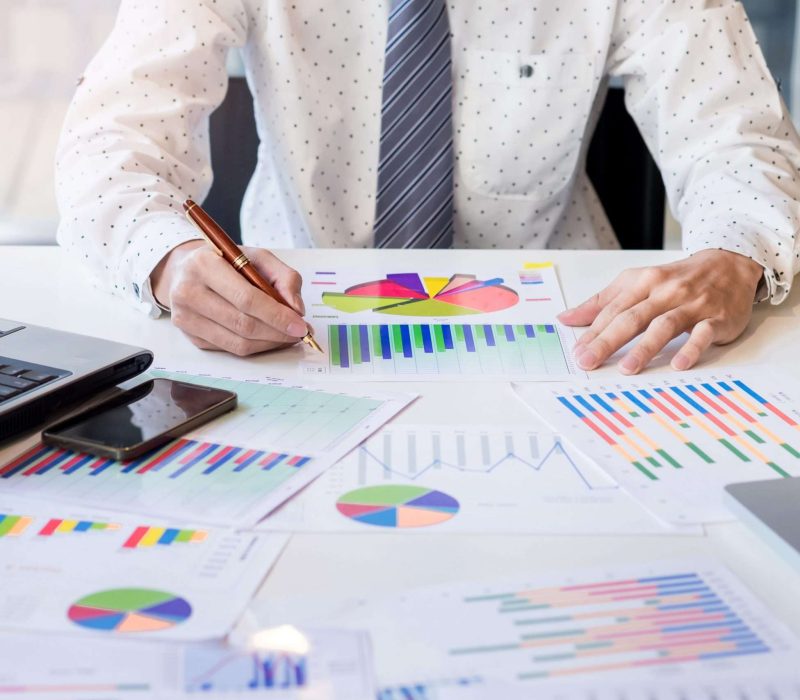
column 447, row 349
column 687, row 438
column 145, row 536
column 13, row 525
column 59, row 526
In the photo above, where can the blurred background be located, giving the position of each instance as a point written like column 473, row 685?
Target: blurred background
column 45, row 45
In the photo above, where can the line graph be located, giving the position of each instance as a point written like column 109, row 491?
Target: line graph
column 494, row 480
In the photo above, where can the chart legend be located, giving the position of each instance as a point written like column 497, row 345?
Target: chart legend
column 129, row 610
column 446, row 349
column 144, row 537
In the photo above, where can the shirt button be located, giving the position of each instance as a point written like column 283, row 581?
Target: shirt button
column 526, row 71
column 136, row 290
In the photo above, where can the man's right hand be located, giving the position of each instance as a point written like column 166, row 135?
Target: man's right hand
column 218, row 309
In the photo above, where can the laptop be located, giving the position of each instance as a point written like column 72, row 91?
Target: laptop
column 45, row 371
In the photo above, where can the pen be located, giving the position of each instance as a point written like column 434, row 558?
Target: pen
column 234, row 255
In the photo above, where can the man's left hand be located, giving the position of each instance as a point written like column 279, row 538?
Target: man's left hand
column 709, row 295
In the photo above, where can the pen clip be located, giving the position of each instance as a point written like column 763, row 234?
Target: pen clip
column 203, row 234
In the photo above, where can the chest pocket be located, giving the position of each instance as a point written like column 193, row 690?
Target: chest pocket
column 520, row 120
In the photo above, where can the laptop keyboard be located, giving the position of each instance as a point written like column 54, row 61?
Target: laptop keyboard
column 18, row 378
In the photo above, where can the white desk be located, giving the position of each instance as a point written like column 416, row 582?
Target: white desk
column 57, row 295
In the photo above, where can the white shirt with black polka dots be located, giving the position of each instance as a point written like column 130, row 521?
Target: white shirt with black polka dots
column 529, row 80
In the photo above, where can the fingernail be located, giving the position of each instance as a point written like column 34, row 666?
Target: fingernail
column 681, row 362
column 630, row 365
column 297, row 329
column 298, row 304
column 587, row 360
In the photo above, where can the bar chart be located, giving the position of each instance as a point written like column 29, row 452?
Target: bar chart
column 65, row 526
column 447, row 349
column 14, row 525
column 146, row 536
column 686, row 438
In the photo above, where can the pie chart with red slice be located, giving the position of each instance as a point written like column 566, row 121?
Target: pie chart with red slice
column 130, row 610
column 398, row 506
column 409, row 294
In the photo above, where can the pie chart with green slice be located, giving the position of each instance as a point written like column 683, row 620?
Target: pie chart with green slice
column 130, row 610
column 408, row 294
column 398, row 506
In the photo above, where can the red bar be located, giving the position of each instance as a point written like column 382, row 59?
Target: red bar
column 41, row 465
column 663, row 408
column 50, row 528
column 780, row 414
column 241, row 458
column 133, row 541
column 220, row 455
column 171, row 451
column 605, row 437
column 716, row 421
column 71, row 462
column 268, row 458
column 589, row 586
column 707, row 400
column 622, row 419
column 24, row 456
column 613, row 428
column 730, row 404
column 193, row 453
column 642, row 588
column 294, row 460
column 681, row 409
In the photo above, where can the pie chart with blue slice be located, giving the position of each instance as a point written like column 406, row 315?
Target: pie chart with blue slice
column 130, row 610
column 398, row 506
column 409, row 294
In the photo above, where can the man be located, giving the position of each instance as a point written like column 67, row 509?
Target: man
column 405, row 123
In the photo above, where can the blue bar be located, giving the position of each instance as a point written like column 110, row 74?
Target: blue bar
column 549, row 329
column 252, row 458
column 364, row 335
column 635, row 401
column 198, row 458
column 570, row 407
column 510, row 334
column 696, row 406
column 447, row 335
column 711, row 389
column 36, row 456
column 489, row 336
column 749, row 391
column 386, row 348
column 721, row 654
column 427, row 345
column 600, row 400
column 102, row 467
column 344, row 348
column 169, row 535
column 83, row 526
column 583, row 402
column 468, row 339
column 80, row 464
column 530, row 332
column 54, row 463
column 188, row 447
column 701, row 626
column 274, row 463
column 682, row 591
column 725, row 386
column 302, row 462
column 405, row 336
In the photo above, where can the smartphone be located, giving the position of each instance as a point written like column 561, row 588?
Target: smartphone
column 141, row 419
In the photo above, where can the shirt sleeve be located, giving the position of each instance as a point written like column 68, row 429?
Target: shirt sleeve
column 135, row 142
column 699, row 89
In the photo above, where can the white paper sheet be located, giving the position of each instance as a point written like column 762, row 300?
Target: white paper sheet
column 466, row 479
column 433, row 323
column 675, row 440
column 99, row 574
column 231, row 472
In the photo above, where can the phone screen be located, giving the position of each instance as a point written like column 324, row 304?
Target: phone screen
column 141, row 414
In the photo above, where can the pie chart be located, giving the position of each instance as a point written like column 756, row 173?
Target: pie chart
column 398, row 506
column 126, row 610
column 408, row 294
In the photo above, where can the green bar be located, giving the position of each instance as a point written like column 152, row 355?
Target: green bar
column 645, row 471
column 478, row 331
column 495, row 596
column 740, row 455
column 333, row 342
column 555, row 635
column 543, row 620
column 98, row 526
column 777, row 469
column 397, row 337
column 520, row 332
column 554, row 657
column 439, row 336
column 184, row 536
column 480, row 650
column 355, row 345
column 755, row 437
column 594, row 645
column 790, row 450
column 460, row 332
column 669, row 459
column 685, row 425
column 7, row 523
column 418, row 337
column 522, row 608
column 694, row 448
column 377, row 350
column 653, row 462
column 634, row 414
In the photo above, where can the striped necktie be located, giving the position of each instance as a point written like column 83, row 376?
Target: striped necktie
column 415, row 175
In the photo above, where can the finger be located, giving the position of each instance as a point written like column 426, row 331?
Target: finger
column 700, row 339
column 285, row 279
column 585, row 313
column 212, row 333
column 232, row 287
column 662, row 329
column 207, row 303
column 622, row 328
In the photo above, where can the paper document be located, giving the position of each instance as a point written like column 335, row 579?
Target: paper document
column 603, row 628
column 336, row 666
column 108, row 576
column 466, row 479
column 437, row 323
column 675, row 440
column 232, row 471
